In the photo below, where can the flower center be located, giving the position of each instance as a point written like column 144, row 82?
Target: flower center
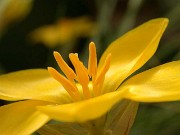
column 82, row 75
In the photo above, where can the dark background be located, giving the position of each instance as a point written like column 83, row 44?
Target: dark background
column 113, row 18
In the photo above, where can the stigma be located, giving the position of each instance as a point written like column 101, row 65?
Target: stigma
column 82, row 75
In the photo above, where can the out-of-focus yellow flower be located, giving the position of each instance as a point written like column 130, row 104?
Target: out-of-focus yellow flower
column 96, row 89
column 13, row 10
column 64, row 31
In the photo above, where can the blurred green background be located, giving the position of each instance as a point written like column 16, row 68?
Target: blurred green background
column 108, row 20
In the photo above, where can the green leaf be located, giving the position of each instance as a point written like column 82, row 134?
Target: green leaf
column 121, row 118
column 63, row 129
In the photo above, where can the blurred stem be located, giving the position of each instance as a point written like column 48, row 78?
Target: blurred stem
column 129, row 18
column 105, row 12
column 168, row 47
column 174, row 18
column 177, row 56
column 106, row 9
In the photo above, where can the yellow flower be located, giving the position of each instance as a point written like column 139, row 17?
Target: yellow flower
column 64, row 31
column 96, row 89
column 13, row 10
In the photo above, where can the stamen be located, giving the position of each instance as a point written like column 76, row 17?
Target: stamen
column 64, row 67
column 92, row 63
column 82, row 74
column 101, row 76
column 67, row 84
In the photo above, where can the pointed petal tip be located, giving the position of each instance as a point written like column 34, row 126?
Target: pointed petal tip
column 164, row 21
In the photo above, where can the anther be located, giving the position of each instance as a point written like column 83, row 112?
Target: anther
column 64, row 67
column 67, row 84
column 97, row 85
column 92, row 63
column 82, row 74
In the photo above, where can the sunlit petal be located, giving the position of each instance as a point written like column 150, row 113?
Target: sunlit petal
column 84, row 110
column 32, row 84
column 158, row 84
column 21, row 118
column 131, row 51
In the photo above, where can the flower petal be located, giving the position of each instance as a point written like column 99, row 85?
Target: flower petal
column 32, row 84
column 84, row 110
column 155, row 85
column 64, row 31
column 21, row 118
column 131, row 51
column 13, row 10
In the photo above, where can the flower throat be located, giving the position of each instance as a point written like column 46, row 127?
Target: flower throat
column 82, row 74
